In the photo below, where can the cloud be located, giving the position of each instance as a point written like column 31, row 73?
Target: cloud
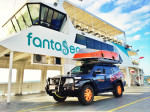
column 129, row 22
column 120, row 2
column 134, row 38
column 143, row 9
column 146, row 33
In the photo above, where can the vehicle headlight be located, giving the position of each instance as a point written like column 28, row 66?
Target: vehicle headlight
column 69, row 81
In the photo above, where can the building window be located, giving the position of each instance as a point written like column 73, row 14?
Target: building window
column 35, row 12
column 31, row 75
column 49, row 16
column 26, row 16
column 93, row 44
column 57, row 21
column 80, row 39
column 110, row 48
column 51, row 19
column 52, row 73
column 44, row 17
column 89, row 43
column 97, row 45
column 4, row 75
column 15, row 24
column 20, row 21
column 104, row 46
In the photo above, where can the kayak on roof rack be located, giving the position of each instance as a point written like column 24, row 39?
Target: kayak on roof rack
column 92, row 55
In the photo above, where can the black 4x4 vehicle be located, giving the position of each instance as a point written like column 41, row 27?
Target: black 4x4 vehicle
column 87, row 81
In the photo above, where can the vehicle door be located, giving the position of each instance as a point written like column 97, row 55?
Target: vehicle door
column 99, row 77
column 108, row 72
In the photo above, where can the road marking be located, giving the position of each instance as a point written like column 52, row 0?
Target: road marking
column 128, row 104
column 40, row 107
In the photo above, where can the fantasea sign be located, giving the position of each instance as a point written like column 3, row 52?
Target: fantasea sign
column 50, row 44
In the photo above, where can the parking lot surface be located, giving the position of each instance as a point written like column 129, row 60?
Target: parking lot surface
column 134, row 99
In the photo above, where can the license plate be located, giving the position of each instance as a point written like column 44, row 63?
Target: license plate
column 52, row 86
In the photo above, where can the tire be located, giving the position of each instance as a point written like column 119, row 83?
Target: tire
column 118, row 90
column 59, row 98
column 86, row 95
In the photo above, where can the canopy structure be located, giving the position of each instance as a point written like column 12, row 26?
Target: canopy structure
column 89, row 22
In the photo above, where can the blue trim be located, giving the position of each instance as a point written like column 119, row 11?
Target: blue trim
column 122, row 48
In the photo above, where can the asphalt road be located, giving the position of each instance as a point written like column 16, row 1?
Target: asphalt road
column 134, row 99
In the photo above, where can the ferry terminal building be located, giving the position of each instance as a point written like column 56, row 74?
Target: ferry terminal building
column 45, row 36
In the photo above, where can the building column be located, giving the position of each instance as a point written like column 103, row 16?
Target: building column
column 128, row 76
column 139, row 77
column 10, row 76
column 19, row 78
column 43, row 78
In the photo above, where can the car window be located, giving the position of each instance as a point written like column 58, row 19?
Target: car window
column 115, row 69
column 99, row 68
column 84, row 69
column 107, row 70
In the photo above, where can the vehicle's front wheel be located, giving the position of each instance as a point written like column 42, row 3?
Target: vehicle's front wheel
column 59, row 98
column 118, row 90
column 86, row 95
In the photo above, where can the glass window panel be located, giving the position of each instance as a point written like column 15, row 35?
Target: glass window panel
column 63, row 24
column 44, row 13
column 56, row 24
column 107, row 70
column 52, row 73
column 20, row 21
column 90, row 43
column 55, row 15
column 4, row 75
column 104, row 46
column 110, row 48
column 115, row 69
column 16, row 24
column 34, row 11
column 11, row 27
column 80, row 39
column 31, row 75
column 26, row 16
column 50, row 13
column 60, row 16
column 97, row 45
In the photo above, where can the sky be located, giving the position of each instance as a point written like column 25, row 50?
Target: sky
column 131, row 16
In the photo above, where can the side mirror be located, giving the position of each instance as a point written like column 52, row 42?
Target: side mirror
column 68, row 73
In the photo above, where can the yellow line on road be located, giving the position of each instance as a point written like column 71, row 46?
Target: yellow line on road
column 40, row 107
column 128, row 104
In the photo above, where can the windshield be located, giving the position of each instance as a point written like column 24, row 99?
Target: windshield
column 85, row 69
